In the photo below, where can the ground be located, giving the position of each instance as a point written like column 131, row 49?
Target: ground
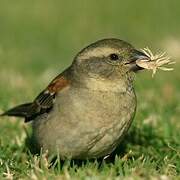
column 38, row 40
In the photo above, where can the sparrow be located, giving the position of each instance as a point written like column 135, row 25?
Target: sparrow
column 86, row 110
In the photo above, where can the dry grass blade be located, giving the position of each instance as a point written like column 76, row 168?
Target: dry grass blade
column 155, row 62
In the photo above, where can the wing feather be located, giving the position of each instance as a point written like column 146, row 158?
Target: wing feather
column 42, row 103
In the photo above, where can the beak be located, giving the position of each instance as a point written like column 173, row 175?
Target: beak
column 136, row 55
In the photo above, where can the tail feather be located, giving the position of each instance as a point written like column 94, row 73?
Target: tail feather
column 27, row 111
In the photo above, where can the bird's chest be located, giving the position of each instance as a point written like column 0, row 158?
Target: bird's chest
column 99, row 119
column 91, row 108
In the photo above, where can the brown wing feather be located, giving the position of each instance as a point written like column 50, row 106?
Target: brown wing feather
column 42, row 103
column 46, row 98
column 58, row 84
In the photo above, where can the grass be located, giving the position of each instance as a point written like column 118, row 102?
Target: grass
column 39, row 39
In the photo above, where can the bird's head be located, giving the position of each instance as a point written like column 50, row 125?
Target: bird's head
column 108, row 59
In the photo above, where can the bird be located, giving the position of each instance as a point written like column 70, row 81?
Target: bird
column 85, row 112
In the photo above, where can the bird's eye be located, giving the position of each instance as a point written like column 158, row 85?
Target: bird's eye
column 114, row 57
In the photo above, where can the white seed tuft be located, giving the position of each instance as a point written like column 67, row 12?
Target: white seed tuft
column 155, row 62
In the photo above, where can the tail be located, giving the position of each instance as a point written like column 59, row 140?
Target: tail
column 26, row 111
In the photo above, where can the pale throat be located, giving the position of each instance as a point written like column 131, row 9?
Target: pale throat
column 104, row 85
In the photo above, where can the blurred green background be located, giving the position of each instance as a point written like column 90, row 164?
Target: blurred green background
column 39, row 38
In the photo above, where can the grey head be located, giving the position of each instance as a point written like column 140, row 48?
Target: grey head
column 107, row 59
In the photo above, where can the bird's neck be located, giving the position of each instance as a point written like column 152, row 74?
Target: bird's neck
column 100, row 84
column 119, row 86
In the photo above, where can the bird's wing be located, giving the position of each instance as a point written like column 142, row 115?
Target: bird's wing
column 42, row 103
column 46, row 98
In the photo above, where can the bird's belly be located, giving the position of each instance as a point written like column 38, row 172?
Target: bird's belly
column 85, row 124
